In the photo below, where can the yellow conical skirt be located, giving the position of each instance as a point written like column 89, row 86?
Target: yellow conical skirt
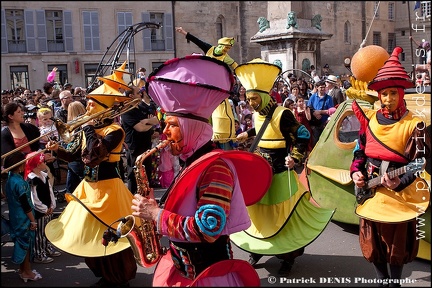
column 281, row 227
column 79, row 233
column 393, row 207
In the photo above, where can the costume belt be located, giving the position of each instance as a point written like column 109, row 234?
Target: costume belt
column 192, row 258
column 103, row 171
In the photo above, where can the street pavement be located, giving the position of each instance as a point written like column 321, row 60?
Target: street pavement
column 334, row 259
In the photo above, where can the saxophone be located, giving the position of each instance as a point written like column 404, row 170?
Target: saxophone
column 144, row 240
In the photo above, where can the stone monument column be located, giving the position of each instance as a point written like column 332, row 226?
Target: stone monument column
column 295, row 42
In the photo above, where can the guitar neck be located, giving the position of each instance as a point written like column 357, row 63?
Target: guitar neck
column 377, row 180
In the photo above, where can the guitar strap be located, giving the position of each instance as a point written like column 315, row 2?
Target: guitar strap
column 386, row 146
column 383, row 167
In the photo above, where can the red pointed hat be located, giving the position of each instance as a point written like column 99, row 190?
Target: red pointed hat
column 392, row 74
column 33, row 162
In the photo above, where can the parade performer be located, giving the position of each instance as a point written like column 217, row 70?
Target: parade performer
column 284, row 221
column 219, row 52
column 207, row 201
column 100, row 199
column 390, row 138
column 222, row 118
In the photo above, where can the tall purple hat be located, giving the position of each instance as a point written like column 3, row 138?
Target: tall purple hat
column 190, row 87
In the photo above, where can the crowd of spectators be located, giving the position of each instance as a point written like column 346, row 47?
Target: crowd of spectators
column 46, row 97
column 38, row 106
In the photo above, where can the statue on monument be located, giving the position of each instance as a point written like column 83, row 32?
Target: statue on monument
column 316, row 21
column 263, row 24
column 292, row 20
column 278, row 62
column 306, row 64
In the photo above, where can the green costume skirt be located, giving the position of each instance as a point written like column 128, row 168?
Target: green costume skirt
column 284, row 220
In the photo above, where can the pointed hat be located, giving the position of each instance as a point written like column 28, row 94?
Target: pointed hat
column 190, row 87
column 257, row 75
column 227, row 41
column 107, row 95
column 122, row 69
column 115, row 80
column 392, row 74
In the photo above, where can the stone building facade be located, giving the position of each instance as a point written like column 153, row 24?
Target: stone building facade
column 352, row 25
column 80, row 51
column 237, row 19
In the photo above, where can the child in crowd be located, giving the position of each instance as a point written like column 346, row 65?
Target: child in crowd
column 303, row 115
column 244, row 109
column 237, row 126
column 21, row 214
column 289, row 103
column 44, row 204
column 248, row 122
column 46, row 125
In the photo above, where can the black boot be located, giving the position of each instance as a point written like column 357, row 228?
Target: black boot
column 395, row 275
column 285, row 267
column 254, row 258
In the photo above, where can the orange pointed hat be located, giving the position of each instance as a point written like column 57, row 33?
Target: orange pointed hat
column 112, row 88
column 106, row 95
column 115, row 80
column 392, row 74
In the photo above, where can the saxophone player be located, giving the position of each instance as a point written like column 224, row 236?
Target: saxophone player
column 207, row 201
column 99, row 199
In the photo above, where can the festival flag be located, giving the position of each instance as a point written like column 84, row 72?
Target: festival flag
column 417, row 5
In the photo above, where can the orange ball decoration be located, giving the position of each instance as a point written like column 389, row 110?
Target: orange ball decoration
column 367, row 61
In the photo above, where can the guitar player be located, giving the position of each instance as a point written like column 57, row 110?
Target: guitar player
column 389, row 139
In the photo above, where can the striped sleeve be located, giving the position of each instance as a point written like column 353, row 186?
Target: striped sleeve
column 215, row 189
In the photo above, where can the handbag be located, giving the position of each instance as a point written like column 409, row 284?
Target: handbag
column 315, row 121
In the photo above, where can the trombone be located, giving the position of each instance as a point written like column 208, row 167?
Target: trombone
column 23, row 161
column 26, row 144
column 65, row 130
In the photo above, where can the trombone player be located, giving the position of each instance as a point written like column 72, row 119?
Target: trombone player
column 101, row 198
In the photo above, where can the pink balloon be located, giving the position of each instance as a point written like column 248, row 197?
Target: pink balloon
column 331, row 110
column 51, row 76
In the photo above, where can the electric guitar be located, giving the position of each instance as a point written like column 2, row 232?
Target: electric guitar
column 367, row 191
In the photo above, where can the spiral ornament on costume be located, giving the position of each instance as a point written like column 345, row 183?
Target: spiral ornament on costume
column 303, row 133
column 208, row 220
